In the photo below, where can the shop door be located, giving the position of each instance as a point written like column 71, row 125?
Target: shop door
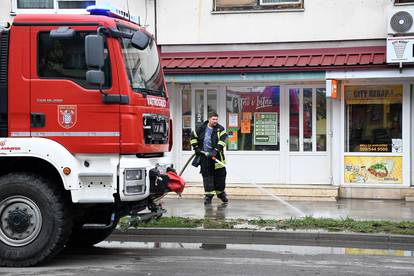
column 205, row 102
column 307, row 136
column 195, row 106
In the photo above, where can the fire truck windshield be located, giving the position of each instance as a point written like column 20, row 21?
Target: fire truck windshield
column 142, row 66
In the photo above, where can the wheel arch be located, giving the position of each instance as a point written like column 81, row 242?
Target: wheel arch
column 35, row 165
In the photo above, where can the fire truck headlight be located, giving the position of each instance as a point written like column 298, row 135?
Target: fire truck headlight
column 134, row 181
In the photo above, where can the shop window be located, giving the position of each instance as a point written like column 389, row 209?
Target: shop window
column 253, row 118
column 307, row 119
column 256, row 5
column 199, row 108
column 374, row 118
column 186, row 118
column 320, row 119
column 294, row 119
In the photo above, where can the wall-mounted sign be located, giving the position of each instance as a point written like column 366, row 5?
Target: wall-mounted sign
column 265, row 128
column 373, row 169
column 400, row 49
column 372, row 94
column 332, row 89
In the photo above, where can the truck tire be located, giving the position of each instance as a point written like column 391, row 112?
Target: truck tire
column 35, row 221
column 81, row 238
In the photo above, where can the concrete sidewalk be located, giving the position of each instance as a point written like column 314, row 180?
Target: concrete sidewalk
column 395, row 210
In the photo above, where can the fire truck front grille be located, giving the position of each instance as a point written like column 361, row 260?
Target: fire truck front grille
column 155, row 129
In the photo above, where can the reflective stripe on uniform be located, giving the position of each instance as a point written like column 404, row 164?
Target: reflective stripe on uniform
column 222, row 143
column 219, row 192
column 210, row 193
column 193, row 141
column 218, row 165
column 195, row 134
column 222, row 133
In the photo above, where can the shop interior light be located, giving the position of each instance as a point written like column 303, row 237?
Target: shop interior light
column 110, row 11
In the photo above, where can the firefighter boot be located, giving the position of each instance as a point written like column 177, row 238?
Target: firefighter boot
column 223, row 197
column 207, row 199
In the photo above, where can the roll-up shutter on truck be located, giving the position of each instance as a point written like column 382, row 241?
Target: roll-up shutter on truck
column 4, row 48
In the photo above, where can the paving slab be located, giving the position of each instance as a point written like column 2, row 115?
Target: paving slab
column 360, row 209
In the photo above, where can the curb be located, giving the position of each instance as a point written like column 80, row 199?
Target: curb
column 219, row 236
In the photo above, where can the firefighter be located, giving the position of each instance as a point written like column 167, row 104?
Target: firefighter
column 209, row 142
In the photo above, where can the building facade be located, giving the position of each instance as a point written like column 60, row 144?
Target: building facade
column 264, row 66
column 311, row 103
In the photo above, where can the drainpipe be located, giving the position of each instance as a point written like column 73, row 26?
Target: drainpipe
column 155, row 21
column 12, row 11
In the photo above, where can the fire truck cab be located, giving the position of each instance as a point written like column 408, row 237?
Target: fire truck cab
column 84, row 120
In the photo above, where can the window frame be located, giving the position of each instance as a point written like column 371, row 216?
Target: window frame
column 279, row 119
column 81, row 84
column 346, row 129
column 399, row 3
column 55, row 9
column 261, row 7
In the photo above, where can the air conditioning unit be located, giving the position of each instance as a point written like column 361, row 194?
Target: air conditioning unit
column 401, row 20
column 278, row 2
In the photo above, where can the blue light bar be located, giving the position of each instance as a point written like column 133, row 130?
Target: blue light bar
column 109, row 11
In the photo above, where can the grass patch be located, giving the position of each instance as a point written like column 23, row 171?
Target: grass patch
column 307, row 223
column 163, row 222
column 219, row 224
column 334, row 225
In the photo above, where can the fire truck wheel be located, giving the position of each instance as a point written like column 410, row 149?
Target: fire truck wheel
column 81, row 238
column 34, row 220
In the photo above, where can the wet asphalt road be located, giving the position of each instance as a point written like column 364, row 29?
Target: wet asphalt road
column 138, row 258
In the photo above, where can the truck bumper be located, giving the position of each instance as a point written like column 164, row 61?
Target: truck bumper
column 134, row 181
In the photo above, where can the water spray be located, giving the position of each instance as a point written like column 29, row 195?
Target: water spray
column 258, row 186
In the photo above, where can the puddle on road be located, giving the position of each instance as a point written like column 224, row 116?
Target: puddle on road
column 280, row 249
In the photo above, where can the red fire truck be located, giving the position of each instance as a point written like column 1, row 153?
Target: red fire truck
column 84, row 132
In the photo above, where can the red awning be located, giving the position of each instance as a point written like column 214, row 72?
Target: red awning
column 275, row 60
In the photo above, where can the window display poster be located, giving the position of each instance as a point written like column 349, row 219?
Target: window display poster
column 186, row 121
column 246, row 123
column 233, row 120
column 265, row 128
column 232, row 140
column 397, row 145
column 373, row 169
column 246, row 126
column 374, row 148
column 247, row 116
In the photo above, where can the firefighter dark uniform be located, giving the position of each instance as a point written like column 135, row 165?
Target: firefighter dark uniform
column 214, row 174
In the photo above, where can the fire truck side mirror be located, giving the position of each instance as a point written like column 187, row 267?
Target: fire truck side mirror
column 94, row 51
column 96, row 77
column 140, row 40
column 95, row 59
